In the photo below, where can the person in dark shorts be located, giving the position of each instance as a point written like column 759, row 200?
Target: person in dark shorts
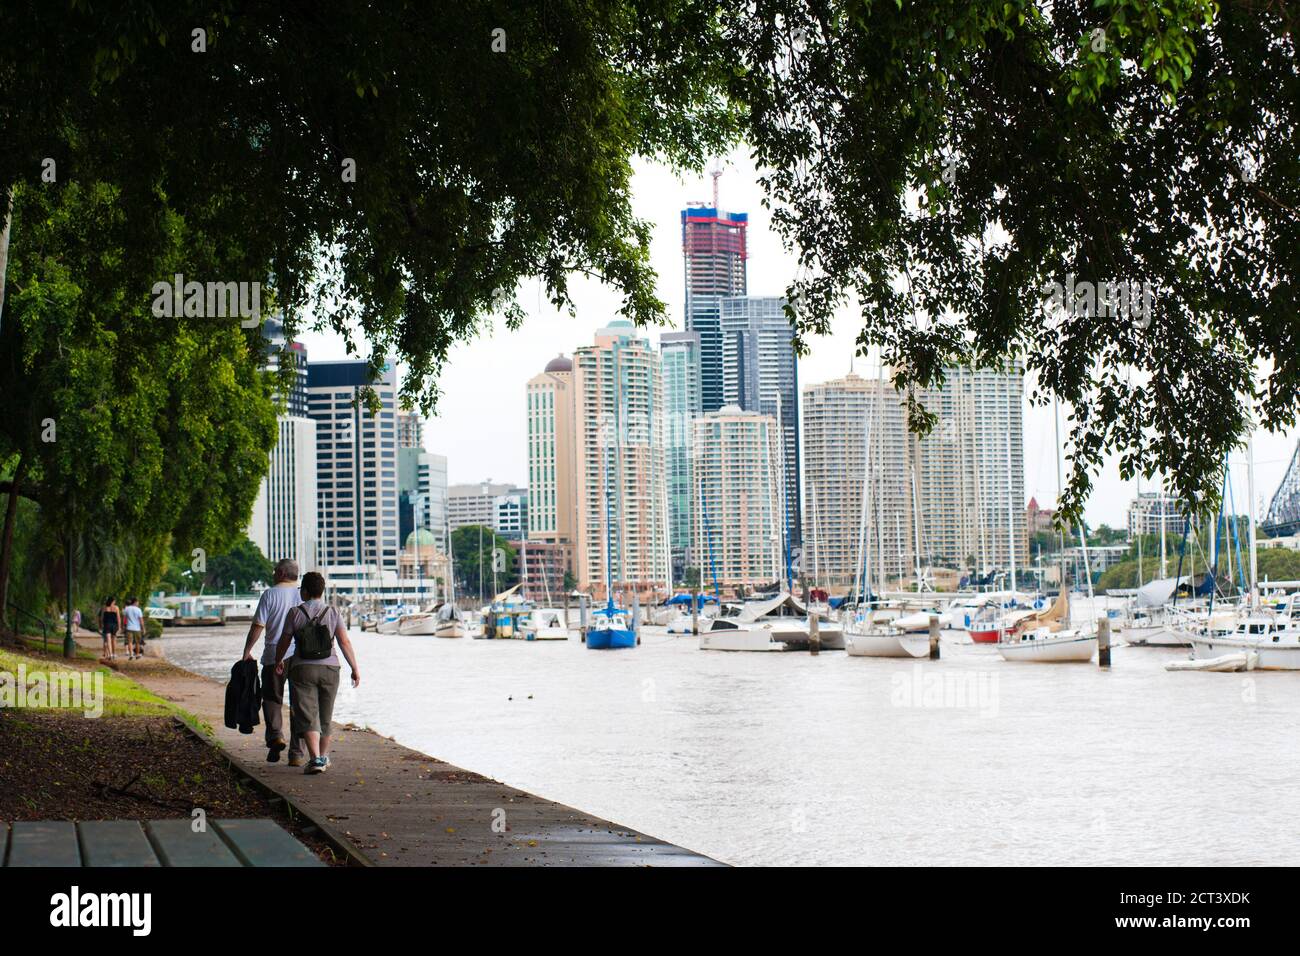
column 110, row 622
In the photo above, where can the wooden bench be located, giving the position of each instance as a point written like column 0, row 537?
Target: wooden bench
column 107, row 843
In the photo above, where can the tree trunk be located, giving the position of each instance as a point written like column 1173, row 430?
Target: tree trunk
column 7, row 536
column 8, row 201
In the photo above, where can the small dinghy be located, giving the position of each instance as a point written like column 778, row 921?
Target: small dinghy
column 1227, row 662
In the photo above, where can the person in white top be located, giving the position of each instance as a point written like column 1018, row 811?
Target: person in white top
column 272, row 607
column 134, row 629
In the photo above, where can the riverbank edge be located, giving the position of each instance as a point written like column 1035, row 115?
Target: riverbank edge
column 332, row 835
column 325, row 831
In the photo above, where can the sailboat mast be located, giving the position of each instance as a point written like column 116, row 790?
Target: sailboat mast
column 816, row 544
column 609, row 536
column 864, row 521
column 1011, row 505
column 1060, row 534
column 879, row 520
column 785, row 505
column 1250, row 491
column 1164, row 569
column 1139, row 529
column 451, row 560
column 902, row 547
column 916, row 529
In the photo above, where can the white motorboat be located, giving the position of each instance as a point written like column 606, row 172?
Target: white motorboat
column 1042, row 644
column 728, row 634
column 1273, row 635
column 546, row 624
column 1227, row 663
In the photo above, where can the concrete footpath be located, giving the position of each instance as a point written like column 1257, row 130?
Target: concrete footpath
column 399, row 807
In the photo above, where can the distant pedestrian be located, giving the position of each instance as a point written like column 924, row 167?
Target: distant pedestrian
column 134, row 629
column 110, row 622
column 272, row 607
column 314, row 626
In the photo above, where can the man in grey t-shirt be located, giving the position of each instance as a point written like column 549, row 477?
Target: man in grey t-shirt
column 272, row 608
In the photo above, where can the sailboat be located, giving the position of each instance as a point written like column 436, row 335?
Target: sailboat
column 611, row 629
column 1271, row 633
column 868, row 630
column 450, row 621
column 1046, row 636
column 419, row 623
column 873, row 628
column 1042, row 638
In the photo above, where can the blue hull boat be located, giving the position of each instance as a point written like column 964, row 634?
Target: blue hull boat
column 605, row 638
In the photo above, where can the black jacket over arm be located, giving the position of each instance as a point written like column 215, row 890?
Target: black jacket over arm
column 243, row 697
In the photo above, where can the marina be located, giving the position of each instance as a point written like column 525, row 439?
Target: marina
column 828, row 759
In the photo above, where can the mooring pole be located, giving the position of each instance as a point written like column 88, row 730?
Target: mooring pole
column 934, row 638
column 636, row 615
column 1103, row 642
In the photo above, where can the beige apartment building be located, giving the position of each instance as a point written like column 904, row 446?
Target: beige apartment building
column 953, row 499
column 738, row 520
column 620, row 486
column 552, row 464
column 848, row 422
column 971, row 471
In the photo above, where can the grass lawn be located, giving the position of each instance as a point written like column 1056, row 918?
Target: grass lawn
column 123, row 697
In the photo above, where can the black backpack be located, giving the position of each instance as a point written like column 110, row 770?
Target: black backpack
column 312, row 640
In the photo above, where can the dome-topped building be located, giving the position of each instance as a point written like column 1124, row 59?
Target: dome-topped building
column 422, row 536
column 559, row 364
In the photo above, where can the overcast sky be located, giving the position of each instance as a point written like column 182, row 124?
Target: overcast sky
column 481, row 425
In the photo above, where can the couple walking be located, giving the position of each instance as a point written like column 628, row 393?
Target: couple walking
column 114, row 621
column 300, row 631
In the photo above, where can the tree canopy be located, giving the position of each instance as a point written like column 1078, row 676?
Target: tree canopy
column 946, row 163
column 134, row 435
column 941, row 165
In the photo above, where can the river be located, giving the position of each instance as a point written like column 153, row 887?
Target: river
column 794, row 759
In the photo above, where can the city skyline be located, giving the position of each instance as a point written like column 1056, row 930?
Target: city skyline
column 506, row 359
